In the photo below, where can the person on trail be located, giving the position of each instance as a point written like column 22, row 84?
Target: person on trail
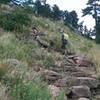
column 64, row 39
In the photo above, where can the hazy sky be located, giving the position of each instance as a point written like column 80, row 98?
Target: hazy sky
column 76, row 5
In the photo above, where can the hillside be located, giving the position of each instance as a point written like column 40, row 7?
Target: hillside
column 30, row 72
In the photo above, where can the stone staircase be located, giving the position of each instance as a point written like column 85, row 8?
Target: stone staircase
column 78, row 80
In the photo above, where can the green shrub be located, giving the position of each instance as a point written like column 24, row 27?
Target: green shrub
column 29, row 91
column 4, row 1
column 48, row 61
column 15, row 20
column 61, row 95
column 86, row 47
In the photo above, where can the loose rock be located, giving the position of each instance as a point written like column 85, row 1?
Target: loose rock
column 80, row 91
column 83, row 99
column 77, row 81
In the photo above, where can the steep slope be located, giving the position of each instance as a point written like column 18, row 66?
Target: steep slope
column 26, row 68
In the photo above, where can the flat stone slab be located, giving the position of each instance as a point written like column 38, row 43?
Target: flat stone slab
column 80, row 91
column 77, row 81
column 83, row 99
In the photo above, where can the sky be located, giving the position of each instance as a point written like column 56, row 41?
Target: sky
column 76, row 5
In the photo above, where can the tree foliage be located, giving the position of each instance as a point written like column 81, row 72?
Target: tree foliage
column 71, row 18
column 56, row 12
column 98, row 31
column 16, row 2
column 15, row 20
column 93, row 8
column 41, row 8
column 5, row 1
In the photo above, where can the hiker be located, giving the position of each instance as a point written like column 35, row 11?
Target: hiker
column 64, row 39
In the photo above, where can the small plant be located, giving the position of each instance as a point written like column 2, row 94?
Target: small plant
column 29, row 91
column 87, row 46
column 61, row 95
column 49, row 61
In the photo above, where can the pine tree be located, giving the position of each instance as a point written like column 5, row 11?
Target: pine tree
column 71, row 19
column 56, row 12
column 16, row 2
column 5, row 1
column 93, row 8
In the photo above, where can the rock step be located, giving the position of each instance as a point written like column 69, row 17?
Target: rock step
column 80, row 60
column 71, row 69
column 79, row 91
column 75, row 71
column 83, row 99
column 51, row 76
column 80, row 74
column 77, row 81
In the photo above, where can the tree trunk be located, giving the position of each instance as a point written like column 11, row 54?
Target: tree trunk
column 97, row 27
column 98, row 33
column 97, row 21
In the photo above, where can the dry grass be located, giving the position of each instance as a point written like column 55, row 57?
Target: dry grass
column 33, row 55
column 78, row 43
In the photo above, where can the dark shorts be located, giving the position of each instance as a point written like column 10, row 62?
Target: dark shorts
column 65, row 41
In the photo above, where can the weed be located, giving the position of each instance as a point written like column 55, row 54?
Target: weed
column 48, row 61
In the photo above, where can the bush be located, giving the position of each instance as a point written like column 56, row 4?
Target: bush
column 61, row 95
column 15, row 20
column 5, row 1
column 48, row 61
column 19, row 86
column 29, row 91
column 86, row 47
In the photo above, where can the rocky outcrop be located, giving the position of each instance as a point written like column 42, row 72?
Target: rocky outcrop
column 82, row 61
column 79, row 91
column 51, row 76
column 55, row 91
column 97, row 97
column 79, row 79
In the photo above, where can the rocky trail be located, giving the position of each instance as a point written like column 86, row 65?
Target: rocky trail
column 76, row 75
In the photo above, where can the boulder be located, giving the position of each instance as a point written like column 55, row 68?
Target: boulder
column 76, row 81
column 90, row 82
column 70, row 69
column 83, row 61
column 61, row 82
column 55, row 91
column 97, row 97
column 81, row 74
column 51, row 76
column 79, row 91
column 83, row 99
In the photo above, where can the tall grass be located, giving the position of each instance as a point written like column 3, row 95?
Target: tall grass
column 11, row 47
column 30, row 91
